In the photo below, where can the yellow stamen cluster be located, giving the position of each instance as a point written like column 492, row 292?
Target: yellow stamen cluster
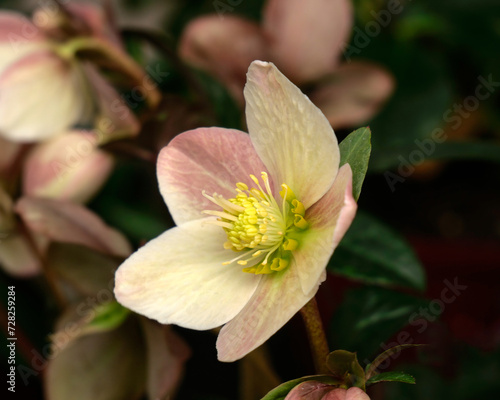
column 263, row 231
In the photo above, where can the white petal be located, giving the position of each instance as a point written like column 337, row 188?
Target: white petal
column 178, row 278
column 291, row 135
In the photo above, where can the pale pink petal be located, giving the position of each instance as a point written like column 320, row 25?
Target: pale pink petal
column 309, row 390
column 224, row 47
column 178, row 278
column 356, row 93
column 42, row 95
column 210, row 159
column 68, row 167
column 329, row 219
column 166, row 355
column 63, row 221
column 18, row 36
column 291, row 135
column 353, row 393
column 307, row 39
column 17, row 257
column 15, row 29
column 278, row 298
column 114, row 119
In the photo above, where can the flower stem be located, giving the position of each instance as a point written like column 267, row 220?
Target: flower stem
column 316, row 334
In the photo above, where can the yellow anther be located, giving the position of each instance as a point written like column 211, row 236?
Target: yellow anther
column 254, row 178
column 242, row 262
column 290, row 244
column 300, row 222
column 242, row 186
column 298, row 207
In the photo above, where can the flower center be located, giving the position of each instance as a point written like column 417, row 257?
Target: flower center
column 265, row 232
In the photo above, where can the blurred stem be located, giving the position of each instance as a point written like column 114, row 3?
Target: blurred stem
column 316, row 334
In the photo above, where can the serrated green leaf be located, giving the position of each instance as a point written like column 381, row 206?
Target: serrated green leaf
column 280, row 392
column 373, row 253
column 368, row 317
column 396, row 376
column 372, row 368
column 344, row 366
column 355, row 150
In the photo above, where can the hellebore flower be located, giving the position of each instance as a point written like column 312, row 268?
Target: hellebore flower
column 258, row 217
column 48, row 86
column 305, row 42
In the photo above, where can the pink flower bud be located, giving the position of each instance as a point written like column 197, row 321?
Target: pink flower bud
column 69, row 167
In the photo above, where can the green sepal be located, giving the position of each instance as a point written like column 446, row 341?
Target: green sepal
column 345, row 367
column 355, row 150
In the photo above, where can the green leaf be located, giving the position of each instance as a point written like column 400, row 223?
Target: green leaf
column 372, row 368
column 355, row 150
column 368, row 317
column 373, row 253
column 280, row 392
column 344, row 366
column 392, row 377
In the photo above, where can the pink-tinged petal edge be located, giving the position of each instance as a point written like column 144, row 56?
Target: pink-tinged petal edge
column 210, row 159
column 179, row 278
column 224, row 47
column 67, row 222
column 278, row 298
column 290, row 134
column 329, row 219
column 17, row 30
column 306, row 42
